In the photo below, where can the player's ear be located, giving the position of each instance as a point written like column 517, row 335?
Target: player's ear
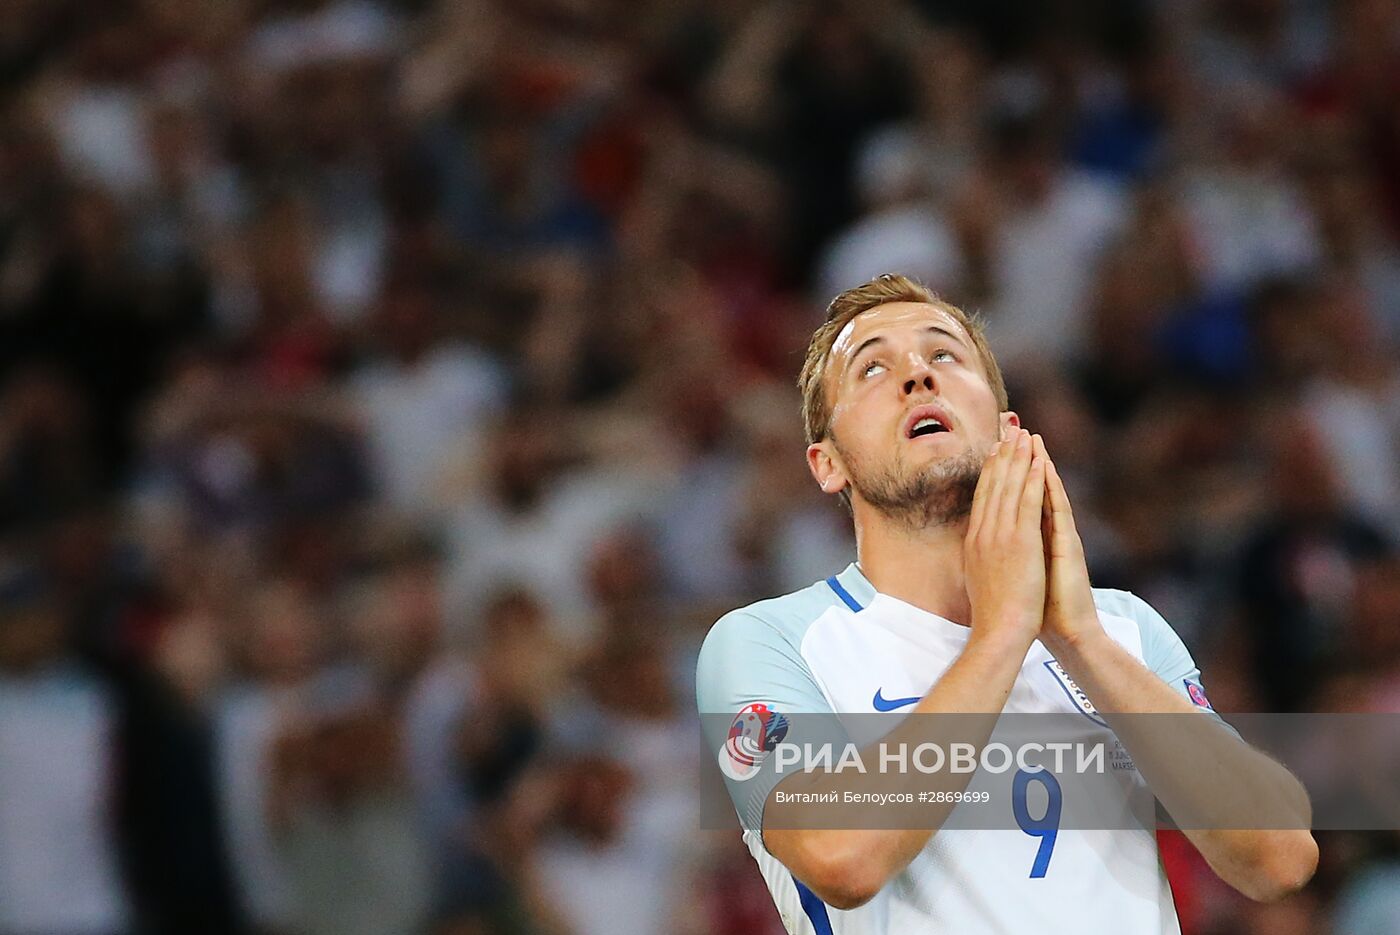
column 1010, row 421
column 825, row 465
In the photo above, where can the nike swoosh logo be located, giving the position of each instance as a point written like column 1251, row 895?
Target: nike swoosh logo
column 882, row 703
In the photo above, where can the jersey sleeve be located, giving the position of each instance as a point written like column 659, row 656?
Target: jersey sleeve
column 1166, row 655
column 751, row 678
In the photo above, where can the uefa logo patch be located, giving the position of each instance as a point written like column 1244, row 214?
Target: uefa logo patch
column 756, row 732
column 1197, row 694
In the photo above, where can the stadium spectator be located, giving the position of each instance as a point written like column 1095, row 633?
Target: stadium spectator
column 391, row 391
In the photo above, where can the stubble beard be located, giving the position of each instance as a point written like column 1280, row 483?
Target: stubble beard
column 939, row 494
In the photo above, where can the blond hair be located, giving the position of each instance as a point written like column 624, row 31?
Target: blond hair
column 882, row 290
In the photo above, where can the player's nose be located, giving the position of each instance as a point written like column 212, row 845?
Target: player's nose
column 917, row 375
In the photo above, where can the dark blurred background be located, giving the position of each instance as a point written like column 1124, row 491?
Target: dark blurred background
column 392, row 393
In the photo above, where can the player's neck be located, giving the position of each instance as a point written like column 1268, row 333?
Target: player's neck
column 923, row 567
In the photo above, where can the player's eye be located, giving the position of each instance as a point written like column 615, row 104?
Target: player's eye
column 871, row 369
column 944, row 352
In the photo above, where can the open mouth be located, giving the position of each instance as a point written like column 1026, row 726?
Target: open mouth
column 928, row 426
column 926, row 420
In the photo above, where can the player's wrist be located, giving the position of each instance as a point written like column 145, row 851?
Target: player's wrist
column 1010, row 640
column 1080, row 642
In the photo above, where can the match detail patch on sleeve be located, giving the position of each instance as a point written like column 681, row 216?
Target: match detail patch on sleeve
column 1197, row 694
column 755, row 732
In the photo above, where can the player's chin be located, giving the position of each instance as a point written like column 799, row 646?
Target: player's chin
column 962, row 465
column 930, row 449
column 937, row 449
column 932, row 476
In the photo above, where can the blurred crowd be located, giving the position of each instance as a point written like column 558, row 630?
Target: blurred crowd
column 392, row 392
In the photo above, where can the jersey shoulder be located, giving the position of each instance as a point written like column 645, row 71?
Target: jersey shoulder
column 1120, row 603
column 755, row 653
column 786, row 618
column 1152, row 626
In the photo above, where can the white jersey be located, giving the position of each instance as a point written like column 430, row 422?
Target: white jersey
column 841, row 647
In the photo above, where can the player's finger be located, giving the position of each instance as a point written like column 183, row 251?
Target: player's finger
column 979, row 496
column 1059, row 498
column 1009, row 502
column 996, row 480
column 1033, row 494
column 1047, row 521
column 1047, row 517
column 1038, row 447
column 995, row 476
column 1064, row 536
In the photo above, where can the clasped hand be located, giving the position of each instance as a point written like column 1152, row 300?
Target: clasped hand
column 1024, row 560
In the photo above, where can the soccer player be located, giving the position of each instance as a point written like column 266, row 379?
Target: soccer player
column 970, row 595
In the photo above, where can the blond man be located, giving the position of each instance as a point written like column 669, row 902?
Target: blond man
column 970, row 596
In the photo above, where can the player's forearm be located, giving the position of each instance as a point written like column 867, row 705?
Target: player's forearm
column 847, row 867
column 1245, row 812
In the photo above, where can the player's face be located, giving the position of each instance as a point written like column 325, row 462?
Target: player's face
column 913, row 416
